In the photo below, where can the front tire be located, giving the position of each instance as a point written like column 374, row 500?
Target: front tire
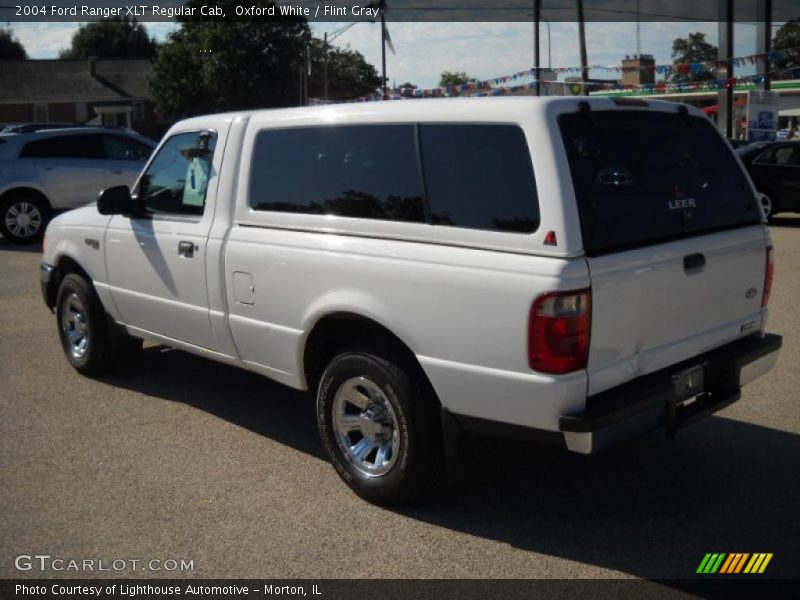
column 379, row 426
column 82, row 327
column 24, row 218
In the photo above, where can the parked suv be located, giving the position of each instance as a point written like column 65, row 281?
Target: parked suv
column 562, row 269
column 49, row 170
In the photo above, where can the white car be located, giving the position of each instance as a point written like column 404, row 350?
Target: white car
column 45, row 171
column 578, row 270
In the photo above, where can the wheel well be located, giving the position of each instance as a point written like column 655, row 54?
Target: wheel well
column 336, row 332
column 27, row 190
column 65, row 266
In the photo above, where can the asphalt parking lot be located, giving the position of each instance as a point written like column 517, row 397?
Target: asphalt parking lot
column 181, row 458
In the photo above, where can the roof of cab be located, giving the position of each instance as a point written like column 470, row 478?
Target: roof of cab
column 431, row 108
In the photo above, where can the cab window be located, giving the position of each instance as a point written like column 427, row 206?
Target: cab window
column 176, row 182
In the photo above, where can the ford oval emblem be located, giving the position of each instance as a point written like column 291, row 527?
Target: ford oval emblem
column 751, row 293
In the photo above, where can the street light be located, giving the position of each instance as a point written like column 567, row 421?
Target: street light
column 549, row 48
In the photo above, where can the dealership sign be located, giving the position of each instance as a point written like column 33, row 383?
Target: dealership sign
column 762, row 115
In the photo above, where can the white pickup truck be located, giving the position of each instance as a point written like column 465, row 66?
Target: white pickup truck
column 569, row 269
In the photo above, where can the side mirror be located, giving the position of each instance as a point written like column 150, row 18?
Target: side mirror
column 116, row 200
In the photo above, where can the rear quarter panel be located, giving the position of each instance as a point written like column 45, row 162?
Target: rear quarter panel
column 463, row 312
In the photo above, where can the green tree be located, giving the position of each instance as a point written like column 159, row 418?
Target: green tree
column 788, row 36
column 242, row 63
column 116, row 37
column 449, row 79
column 10, row 47
column 693, row 49
column 349, row 75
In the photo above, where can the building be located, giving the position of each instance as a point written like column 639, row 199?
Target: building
column 788, row 92
column 99, row 92
column 638, row 70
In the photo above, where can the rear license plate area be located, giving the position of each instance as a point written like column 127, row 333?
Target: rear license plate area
column 689, row 383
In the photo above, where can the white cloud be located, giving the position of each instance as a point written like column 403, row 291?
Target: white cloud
column 44, row 40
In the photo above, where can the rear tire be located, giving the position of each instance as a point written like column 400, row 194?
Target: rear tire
column 24, row 217
column 379, row 426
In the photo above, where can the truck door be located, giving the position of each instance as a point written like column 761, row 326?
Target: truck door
column 157, row 259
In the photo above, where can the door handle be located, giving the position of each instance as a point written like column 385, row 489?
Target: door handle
column 693, row 261
column 186, row 249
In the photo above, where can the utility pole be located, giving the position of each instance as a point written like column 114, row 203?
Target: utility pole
column 764, row 38
column 384, row 93
column 537, row 16
column 582, row 41
column 725, row 53
column 325, row 59
column 638, row 31
column 305, row 73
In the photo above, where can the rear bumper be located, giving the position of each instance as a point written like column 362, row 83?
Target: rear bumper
column 651, row 401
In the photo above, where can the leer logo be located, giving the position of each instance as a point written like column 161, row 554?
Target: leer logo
column 734, row 563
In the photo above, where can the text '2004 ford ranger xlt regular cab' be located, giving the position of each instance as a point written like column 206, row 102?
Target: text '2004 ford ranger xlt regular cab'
column 583, row 267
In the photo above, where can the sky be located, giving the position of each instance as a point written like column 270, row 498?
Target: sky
column 483, row 50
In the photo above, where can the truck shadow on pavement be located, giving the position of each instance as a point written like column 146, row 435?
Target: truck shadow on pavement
column 650, row 508
column 240, row 397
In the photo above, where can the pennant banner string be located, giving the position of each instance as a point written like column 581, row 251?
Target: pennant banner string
column 490, row 86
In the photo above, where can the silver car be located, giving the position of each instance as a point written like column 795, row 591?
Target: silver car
column 50, row 170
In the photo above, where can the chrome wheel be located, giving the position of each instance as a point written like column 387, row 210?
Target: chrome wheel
column 766, row 204
column 23, row 219
column 365, row 425
column 75, row 325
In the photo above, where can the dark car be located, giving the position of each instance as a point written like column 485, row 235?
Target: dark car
column 775, row 170
column 736, row 144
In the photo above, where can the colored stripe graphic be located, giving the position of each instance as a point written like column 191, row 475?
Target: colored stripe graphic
column 733, row 563
column 711, row 562
column 758, row 563
column 741, row 562
column 727, row 564
column 717, row 564
column 703, row 563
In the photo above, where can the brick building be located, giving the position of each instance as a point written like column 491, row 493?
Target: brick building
column 102, row 92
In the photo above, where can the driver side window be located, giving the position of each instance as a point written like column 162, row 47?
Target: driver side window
column 176, row 181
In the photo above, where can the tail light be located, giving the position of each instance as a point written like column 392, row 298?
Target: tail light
column 558, row 331
column 768, row 275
